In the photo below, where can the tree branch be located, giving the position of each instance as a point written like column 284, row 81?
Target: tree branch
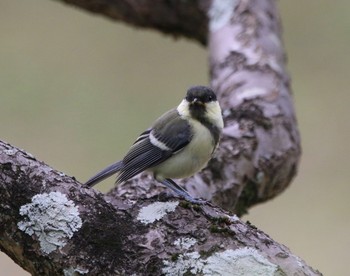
column 177, row 18
column 51, row 225
column 261, row 145
column 260, row 148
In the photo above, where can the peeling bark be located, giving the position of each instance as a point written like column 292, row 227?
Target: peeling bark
column 257, row 159
column 260, row 146
column 150, row 236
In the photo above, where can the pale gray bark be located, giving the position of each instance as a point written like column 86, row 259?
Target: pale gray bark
column 256, row 160
column 260, row 147
column 51, row 225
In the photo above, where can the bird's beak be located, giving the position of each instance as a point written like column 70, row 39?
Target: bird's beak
column 196, row 101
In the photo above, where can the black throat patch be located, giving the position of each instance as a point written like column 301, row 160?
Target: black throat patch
column 198, row 112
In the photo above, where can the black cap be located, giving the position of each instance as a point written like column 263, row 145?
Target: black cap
column 203, row 94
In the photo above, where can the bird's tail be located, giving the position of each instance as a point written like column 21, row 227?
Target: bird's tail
column 107, row 172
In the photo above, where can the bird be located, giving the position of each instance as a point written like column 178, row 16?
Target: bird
column 178, row 144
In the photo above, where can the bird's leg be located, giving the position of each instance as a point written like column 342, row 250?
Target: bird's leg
column 181, row 191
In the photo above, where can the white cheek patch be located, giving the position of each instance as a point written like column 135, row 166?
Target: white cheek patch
column 183, row 109
column 214, row 114
column 213, row 111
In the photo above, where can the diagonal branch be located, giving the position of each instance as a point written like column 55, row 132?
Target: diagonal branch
column 51, row 225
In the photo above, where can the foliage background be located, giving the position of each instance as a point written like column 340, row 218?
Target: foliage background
column 76, row 89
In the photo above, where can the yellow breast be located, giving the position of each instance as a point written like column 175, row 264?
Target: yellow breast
column 191, row 159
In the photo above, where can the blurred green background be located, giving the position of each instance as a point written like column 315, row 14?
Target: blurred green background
column 77, row 88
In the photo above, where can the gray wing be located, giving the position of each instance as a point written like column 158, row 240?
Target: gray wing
column 171, row 130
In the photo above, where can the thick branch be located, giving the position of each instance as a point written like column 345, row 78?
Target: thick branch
column 260, row 149
column 178, row 18
column 53, row 226
column 261, row 145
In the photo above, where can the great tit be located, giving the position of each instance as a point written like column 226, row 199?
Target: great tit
column 179, row 144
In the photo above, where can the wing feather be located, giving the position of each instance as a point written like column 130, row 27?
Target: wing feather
column 149, row 157
column 171, row 130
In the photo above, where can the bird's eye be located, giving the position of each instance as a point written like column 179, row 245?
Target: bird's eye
column 190, row 98
column 209, row 98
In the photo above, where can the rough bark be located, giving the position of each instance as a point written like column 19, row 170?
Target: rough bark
column 260, row 147
column 177, row 18
column 51, row 225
